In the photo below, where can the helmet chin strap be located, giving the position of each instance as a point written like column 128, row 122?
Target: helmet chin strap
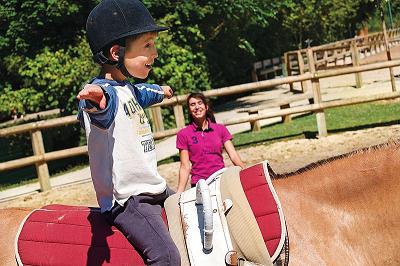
column 102, row 59
column 120, row 64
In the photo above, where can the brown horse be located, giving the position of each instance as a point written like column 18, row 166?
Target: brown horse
column 344, row 210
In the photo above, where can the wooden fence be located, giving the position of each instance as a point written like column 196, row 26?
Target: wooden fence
column 341, row 53
column 332, row 55
column 30, row 117
column 40, row 157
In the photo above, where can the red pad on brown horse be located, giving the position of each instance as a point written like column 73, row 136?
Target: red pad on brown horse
column 72, row 235
column 265, row 206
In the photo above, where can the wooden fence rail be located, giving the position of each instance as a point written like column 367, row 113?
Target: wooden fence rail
column 340, row 53
column 40, row 157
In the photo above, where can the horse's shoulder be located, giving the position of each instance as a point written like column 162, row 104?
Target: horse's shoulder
column 10, row 220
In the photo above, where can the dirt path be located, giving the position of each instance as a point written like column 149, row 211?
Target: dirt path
column 284, row 156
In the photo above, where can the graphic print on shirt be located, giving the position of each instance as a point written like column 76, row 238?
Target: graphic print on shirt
column 148, row 145
column 134, row 111
column 132, row 107
column 195, row 140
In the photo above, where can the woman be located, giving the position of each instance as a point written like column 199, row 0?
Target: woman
column 201, row 143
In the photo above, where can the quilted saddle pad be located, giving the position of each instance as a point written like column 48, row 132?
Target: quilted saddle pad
column 71, row 235
column 266, row 207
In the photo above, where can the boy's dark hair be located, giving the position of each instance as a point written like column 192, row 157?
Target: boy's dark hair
column 111, row 22
column 209, row 112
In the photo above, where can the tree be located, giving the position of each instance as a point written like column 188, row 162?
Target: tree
column 33, row 36
column 211, row 43
column 325, row 20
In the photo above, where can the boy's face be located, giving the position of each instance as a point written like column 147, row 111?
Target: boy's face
column 140, row 55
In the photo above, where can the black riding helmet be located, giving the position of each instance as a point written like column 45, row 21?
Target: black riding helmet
column 111, row 21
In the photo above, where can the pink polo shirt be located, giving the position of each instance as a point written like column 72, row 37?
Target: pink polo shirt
column 204, row 147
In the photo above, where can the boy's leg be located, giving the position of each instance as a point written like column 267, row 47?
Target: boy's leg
column 142, row 224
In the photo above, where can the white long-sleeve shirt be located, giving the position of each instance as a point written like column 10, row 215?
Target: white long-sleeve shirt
column 121, row 147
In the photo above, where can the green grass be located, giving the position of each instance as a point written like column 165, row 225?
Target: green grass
column 338, row 120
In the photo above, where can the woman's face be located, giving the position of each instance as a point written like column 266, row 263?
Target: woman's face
column 197, row 108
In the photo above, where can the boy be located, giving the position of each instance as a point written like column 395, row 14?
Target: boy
column 123, row 164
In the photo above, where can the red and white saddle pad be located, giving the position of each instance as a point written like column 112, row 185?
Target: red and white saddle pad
column 71, row 235
column 234, row 213
column 56, row 235
column 266, row 207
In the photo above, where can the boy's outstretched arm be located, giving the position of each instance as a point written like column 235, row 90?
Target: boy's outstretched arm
column 149, row 94
column 93, row 93
column 98, row 103
column 168, row 92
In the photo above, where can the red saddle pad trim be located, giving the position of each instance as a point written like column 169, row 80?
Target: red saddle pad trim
column 263, row 205
column 73, row 235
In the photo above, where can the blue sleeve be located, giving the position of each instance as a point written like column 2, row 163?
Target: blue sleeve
column 100, row 118
column 148, row 94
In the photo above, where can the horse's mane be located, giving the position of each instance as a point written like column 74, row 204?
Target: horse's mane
column 312, row 166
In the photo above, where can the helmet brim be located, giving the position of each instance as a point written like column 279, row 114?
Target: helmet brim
column 150, row 28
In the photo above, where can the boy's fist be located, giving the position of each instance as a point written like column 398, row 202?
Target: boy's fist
column 93, row 93
column 168, row 92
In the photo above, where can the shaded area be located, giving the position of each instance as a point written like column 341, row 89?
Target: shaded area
column 99, row 251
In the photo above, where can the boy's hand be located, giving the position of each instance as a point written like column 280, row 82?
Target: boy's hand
column 93, row 93
column 168, row 92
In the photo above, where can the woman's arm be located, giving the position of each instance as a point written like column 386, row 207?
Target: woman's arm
column 184, row 170
column 233, row 155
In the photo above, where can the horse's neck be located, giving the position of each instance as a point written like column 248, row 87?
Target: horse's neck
column 365, row 173
column 346, row 207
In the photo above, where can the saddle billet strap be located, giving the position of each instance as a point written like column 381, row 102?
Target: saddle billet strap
column 223, row 208
column 176, row 227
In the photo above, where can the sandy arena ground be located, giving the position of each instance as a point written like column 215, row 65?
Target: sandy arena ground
column 284, row 156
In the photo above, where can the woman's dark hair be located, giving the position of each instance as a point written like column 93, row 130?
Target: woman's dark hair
column 199, row 95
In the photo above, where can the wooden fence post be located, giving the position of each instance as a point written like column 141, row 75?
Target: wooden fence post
column 321, row 121
column 156, row 117
column 179, row 116
column 355, row 59
column 254, row 76
column 301, row 70
column 255, row 125
column 288, row 68
column 389, row 56
column 41, row 167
